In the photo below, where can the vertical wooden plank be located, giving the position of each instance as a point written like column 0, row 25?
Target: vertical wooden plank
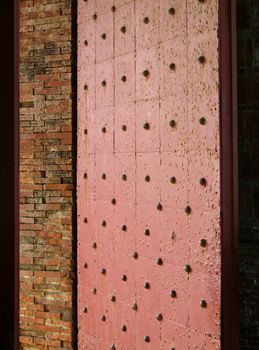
column 229, row 175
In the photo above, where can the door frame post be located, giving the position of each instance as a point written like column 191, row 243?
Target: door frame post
column 9, row 175
column 229, row 174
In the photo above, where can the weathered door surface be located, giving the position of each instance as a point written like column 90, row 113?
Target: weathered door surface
column 148, row 175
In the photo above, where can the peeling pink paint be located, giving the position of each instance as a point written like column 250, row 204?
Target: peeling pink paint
column 148, row 175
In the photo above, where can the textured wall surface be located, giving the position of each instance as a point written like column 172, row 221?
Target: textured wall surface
column 46, row 175
column 248, row 104
column 148, row 175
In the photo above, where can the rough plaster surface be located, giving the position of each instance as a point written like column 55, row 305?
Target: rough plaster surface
column 143, row 88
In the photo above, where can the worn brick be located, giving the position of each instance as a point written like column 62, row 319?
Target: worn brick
column 46, row 175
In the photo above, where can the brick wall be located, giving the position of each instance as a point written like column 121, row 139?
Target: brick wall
column 46, row 168
column 248, row 105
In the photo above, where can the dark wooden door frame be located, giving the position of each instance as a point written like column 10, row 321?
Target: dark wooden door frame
column 229, row 174
column 9, row 252
column 9, row 170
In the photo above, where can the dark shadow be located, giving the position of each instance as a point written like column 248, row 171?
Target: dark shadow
column 9, row 170
column 248, row 155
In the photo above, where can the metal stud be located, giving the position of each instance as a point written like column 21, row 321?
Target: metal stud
column 103, row 271
column 124, row 278
column 104, row 83
column 85, row 175
column 172, row 66
column 124, row 328
column 187, row 268
column 113, row 347
column 203, row 181
column 202, row 59
column 203, row 303
column 147, row 339
column 147, row 285
column 104, row 223
column 86, row 43
column 173, row 236
column 124, row 177
column 85, row 310
column 171, row 11
column 94, row 290
column 147, row 232
column 124, row 128
column 188, row 210
column 85, row 87
column 159, row 317
column 147, row 178
column 104, row 130
column 201, row 1
column 103, row 318
column 85, row 131
column 134, row 307
column 135, row 255
column 94, row 16
column 85, row 265
column 94, row 245
column 146, row 20
column 103, row 36
column 123, row 29
column 104, row 176
column 173, row 180
column 146, row 73
column 172, row 123
column 85, row 220
column 146, row 126
column 159, row 261
column 159, row 206
column 124, row 78
column 173, row 294
column 113, row 201
column 113, row 298
column 124, row 228
column 202, row 121
column 203, row 242
column 113, row 8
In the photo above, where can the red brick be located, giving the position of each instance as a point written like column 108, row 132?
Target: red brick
column 45, row 132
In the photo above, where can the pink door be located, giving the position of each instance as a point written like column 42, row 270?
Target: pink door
column 148, row 175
